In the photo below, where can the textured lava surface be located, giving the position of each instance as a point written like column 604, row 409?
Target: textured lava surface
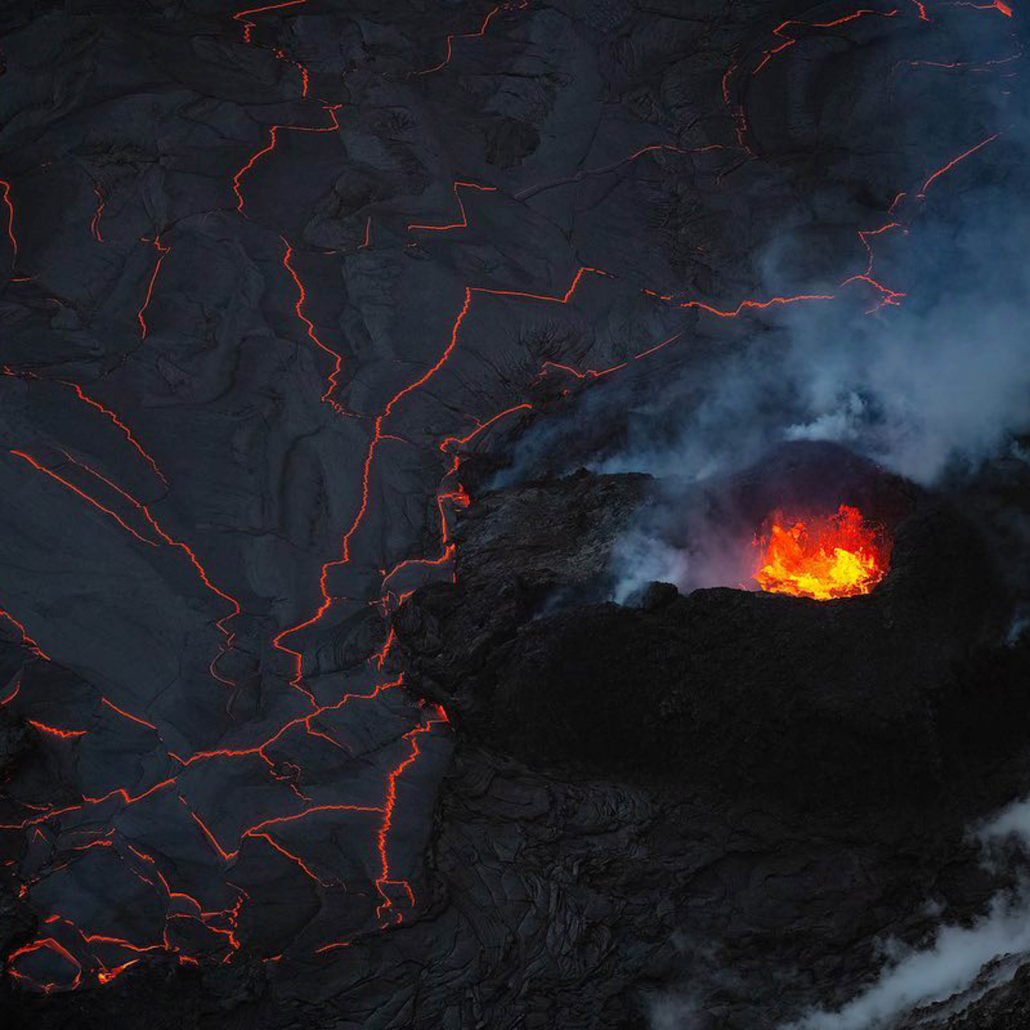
column 272, row 279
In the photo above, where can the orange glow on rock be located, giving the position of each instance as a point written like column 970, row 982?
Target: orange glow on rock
column 838, row 555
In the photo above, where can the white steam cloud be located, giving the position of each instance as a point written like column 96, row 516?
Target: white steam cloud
column 930, row 389
column 925, row 390
column 948, row 968
column 674, row 1013
column 915, row 391
column 958, row 955
column 641, row 560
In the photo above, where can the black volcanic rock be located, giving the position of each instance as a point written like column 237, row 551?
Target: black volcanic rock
column 837, row 704
column 286, row 283
column 1004, row 1007
column 603, row 884
column 795, row 777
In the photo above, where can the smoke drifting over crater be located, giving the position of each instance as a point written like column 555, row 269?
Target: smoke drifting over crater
column 915, row 351
column 929, row 390
column 928, row 377
column 931, row 385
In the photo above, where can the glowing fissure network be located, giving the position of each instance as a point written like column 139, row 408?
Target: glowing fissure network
column 8, row 203
column 785, row 39
column 273, row 142
column 510, row 5
column 94, row 225
column 162, row 253
column 810, row 559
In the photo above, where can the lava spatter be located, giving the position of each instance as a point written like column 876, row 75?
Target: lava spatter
column 378, row 435
column 821, row 557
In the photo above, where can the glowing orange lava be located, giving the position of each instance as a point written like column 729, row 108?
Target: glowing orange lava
column 831, row 556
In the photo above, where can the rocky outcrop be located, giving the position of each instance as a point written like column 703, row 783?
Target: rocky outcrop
column 835, row 704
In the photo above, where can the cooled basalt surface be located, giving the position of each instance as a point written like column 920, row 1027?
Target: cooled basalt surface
column 838, row 704
column 283, row 288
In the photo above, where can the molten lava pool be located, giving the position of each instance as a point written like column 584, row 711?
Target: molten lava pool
column 838, row 555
